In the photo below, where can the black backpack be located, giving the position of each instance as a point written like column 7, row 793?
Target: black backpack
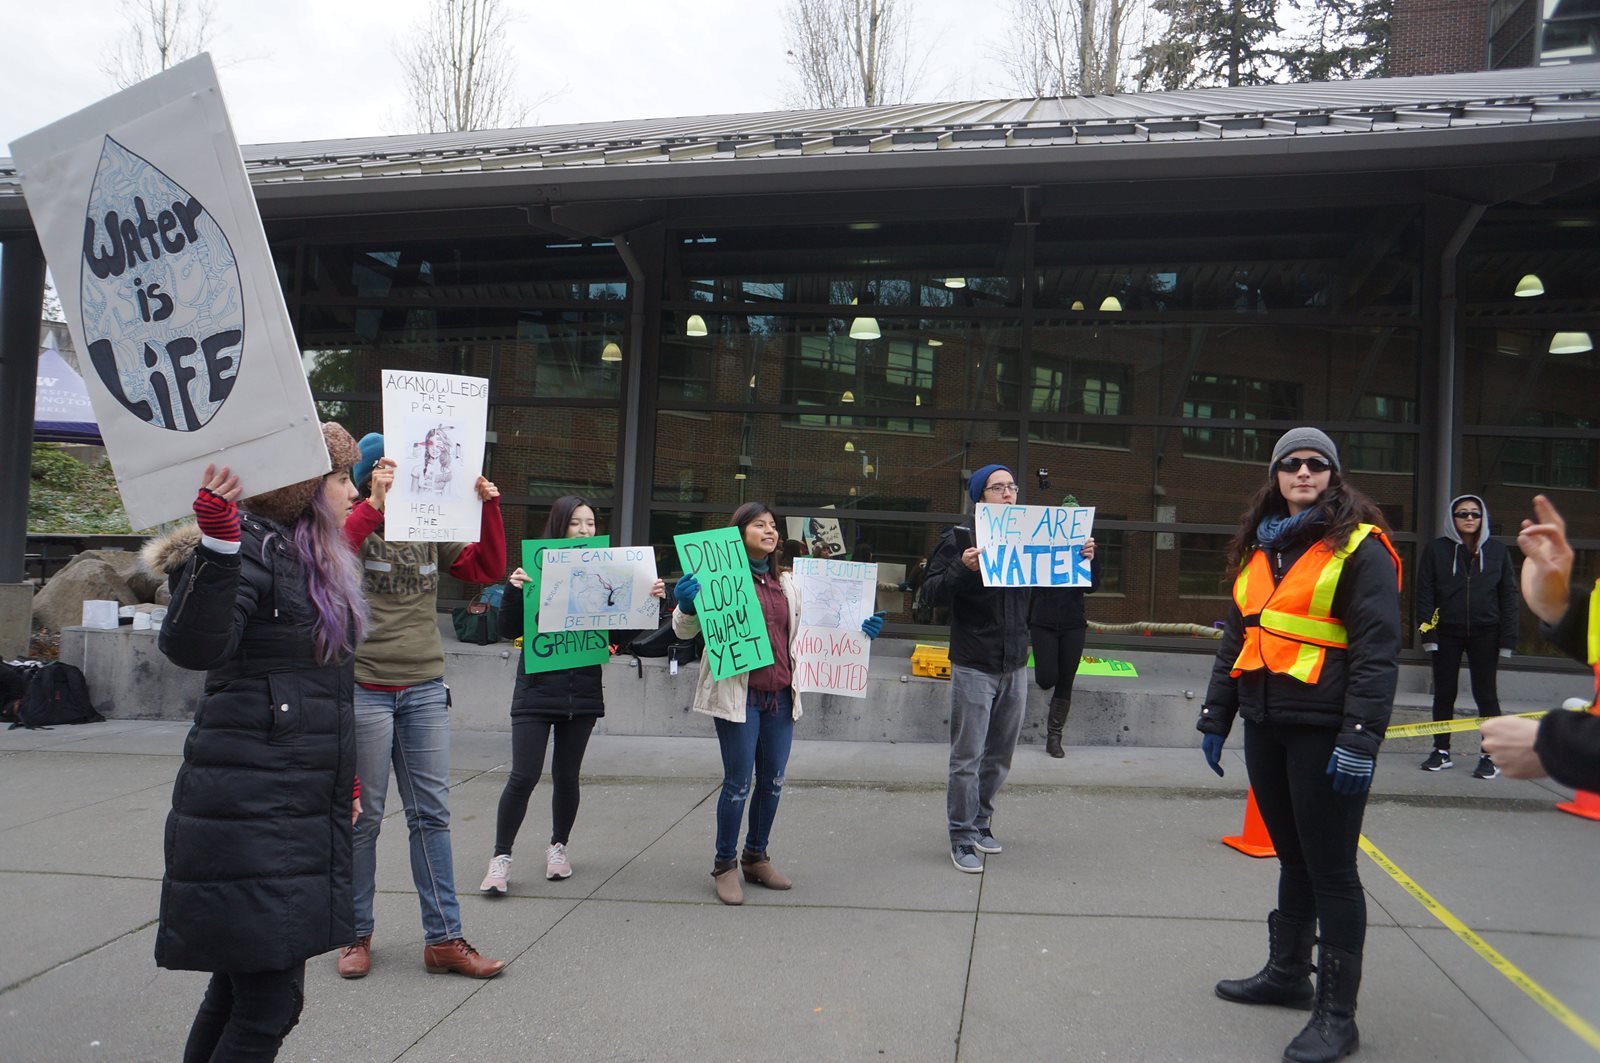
column 662, row 642
column 14, row 681
column 56, row 694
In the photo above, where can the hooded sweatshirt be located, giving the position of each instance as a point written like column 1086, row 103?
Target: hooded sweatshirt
column 1474, row 591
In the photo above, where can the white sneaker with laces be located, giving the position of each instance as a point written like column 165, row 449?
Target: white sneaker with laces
column 556, row 864
column 499, row 871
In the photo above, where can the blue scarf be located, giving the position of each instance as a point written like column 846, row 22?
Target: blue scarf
column 1276, row 531
column 761, row 566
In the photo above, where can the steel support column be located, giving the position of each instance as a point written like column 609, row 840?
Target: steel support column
column 21, row 299
column 1447, row 224
column 643, row 251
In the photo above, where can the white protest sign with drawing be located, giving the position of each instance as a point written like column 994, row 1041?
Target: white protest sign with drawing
column 149, row 225
column 586, row 588
column 1033, row 546
column 832, row 652
column 434, row 426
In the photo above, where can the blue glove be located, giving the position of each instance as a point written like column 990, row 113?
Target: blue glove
column 685, row 592
column 1211, row 746
column 872, row 626
column 1351, row 771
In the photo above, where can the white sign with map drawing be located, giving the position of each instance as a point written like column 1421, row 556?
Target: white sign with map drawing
column 832, row 652
column 585, row 589
column 434, row 426
column 146, row 216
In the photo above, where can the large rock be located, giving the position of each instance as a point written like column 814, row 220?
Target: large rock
column 59, row 604
column 140, row 580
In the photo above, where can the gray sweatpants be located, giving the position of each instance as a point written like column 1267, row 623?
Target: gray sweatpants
column 986, row 713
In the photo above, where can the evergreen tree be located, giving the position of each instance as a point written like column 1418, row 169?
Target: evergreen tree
column 1344, row 39
column 1213, row 42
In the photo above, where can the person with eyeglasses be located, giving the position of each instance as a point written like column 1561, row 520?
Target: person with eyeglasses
column 1466, row 604
column 1308, row 658
column 988, row 675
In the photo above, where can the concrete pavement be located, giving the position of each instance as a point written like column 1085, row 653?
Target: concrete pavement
column 1096, row 935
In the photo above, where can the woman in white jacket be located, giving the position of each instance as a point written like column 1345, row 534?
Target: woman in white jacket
column 754, row 712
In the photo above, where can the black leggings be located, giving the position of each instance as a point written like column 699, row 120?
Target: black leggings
column 529, row 736
column 1483, row 660
column 1055, row 659
column 1314, row 829
column 245, row 1017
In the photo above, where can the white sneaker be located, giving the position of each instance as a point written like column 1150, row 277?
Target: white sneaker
column 556, row 864
column 499, row 872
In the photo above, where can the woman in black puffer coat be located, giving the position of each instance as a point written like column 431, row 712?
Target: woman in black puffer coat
column 1058, row 627
column 258, row 841
column 564, row 703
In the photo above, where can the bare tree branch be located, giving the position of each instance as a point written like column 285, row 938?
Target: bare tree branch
column 1066, row 47
column 459, row 69
column 849, row 53
column 158, row 34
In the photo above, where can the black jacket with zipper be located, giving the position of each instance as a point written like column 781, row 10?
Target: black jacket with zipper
column 559, row 695
column 258, row 842
column 1057, row 609
column 988, row 625
column 1475, row 593
column 1355, row 692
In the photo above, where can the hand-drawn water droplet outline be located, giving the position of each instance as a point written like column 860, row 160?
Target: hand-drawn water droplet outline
column 162, row 302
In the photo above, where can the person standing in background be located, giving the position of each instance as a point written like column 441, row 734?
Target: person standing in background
column 1059, row 627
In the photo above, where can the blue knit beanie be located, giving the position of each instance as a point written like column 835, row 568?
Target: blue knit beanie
column 371, row 450
column 981, row 477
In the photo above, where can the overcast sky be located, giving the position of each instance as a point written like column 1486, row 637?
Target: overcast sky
column 313, row 69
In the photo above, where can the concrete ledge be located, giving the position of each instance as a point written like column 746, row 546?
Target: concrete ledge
column 129, row 678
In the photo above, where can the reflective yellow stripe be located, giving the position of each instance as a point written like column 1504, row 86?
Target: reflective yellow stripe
column 1328, row 580
column 1306, row 662
column 1329, row 631
column 1594, row 625
column 1241, row 584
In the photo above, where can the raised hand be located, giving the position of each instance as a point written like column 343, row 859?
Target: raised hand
column 382, row 480
column 686, row 591
column 1547, row 561
column 519, row 577
column 214, row 508
column 486, row 489
column 872, row 626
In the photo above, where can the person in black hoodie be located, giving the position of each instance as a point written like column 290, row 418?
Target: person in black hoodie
column 1058, row 625
column 565, row 703
column 988, row 675
column 1564, row 745
column 1466, row 603
column 1308, row 659
column 258, row 843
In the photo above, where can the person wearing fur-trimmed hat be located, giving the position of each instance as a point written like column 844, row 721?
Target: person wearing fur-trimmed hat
column 268, row 603
column 402, row 711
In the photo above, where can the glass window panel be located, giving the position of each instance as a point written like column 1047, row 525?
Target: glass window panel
column 442, row 272
column 699, row 456
column 1203, row 565
column 1526, row 465
column 548, row 451
column 524, row 353
column 1557, row 248
column 1512, row 378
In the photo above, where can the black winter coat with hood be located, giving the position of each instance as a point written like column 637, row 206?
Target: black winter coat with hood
column 1475, row 593
column 1355, row 692
column 258, row 857
column 988, row 625
column 559, row 695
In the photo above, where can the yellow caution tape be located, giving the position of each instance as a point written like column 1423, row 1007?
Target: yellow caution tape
column 1470, row 723
column 1537, row 993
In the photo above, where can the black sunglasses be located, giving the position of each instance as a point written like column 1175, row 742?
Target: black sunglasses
column 1292, row 465
column 1466, row 514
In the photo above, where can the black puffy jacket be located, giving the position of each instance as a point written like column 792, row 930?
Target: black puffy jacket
column 1057, row 609
column 258, row 859
column 1355, row 692
column 988, row 625
column 1474, row 593
column 551, row 695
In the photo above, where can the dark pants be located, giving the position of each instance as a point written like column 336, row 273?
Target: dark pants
column 1483, row 659
column 1055, row 659
column 529, row 737
column 245, row 1017
column 1314, row 829
column 760, row 745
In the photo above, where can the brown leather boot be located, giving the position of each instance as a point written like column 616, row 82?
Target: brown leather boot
column 758, row 869
column 457, row 957
column 1055, row 724
column 726, row 877
column 355, row 959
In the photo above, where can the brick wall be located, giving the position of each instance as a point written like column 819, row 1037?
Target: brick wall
column 1438, row 37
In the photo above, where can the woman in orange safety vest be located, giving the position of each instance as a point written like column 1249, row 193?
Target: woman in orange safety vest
column 1308, row 659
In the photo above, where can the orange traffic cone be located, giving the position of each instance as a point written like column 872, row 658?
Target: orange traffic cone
column 1585, row 804
column 1253, row 840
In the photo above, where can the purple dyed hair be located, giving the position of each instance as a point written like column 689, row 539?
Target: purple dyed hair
column 333, row 574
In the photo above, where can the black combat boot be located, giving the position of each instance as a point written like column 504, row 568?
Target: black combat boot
column 1331, row 1034
column 1285, row 979
column 1059, row 707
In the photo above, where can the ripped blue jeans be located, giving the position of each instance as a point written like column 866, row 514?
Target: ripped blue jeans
column 760, row 745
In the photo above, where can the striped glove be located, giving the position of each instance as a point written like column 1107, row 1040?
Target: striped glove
column 1351, row 771
column 217, row 516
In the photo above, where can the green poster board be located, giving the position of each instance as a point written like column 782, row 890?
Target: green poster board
column 1106, row 666
column 555, row 651
column 729, row 611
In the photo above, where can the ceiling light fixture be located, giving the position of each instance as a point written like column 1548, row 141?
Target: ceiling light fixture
column 1111, row 302
column 1529, row 286
column 611, row 352
column 1571, row 343
column 695, row 326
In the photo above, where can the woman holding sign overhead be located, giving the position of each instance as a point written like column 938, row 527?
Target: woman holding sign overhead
column 754, row 711
column 1308, row 659
column 563, row 703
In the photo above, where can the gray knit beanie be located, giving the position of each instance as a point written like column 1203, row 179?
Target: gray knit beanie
column 1306, row 439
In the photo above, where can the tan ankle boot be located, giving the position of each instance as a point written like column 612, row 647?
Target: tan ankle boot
column 727, row 883
column 758, row 869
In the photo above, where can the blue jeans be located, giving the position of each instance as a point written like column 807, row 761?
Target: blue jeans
column 759, row 745
column 411, row 729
